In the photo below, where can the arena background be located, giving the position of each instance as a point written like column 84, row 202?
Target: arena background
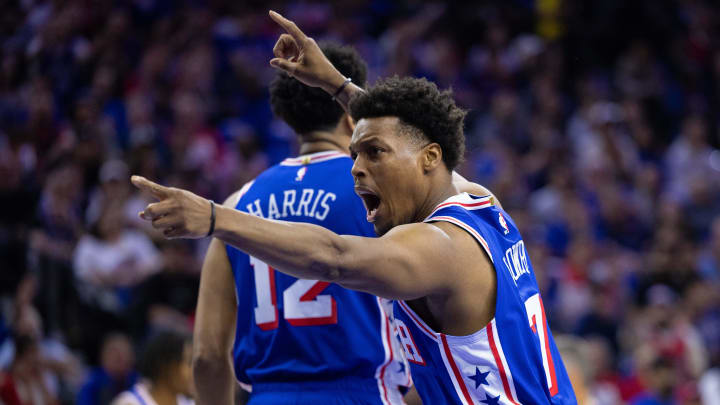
column 594, row 122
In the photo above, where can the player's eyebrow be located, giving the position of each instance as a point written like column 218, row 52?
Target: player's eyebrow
column 365, row 140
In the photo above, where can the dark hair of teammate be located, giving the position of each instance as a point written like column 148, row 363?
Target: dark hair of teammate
column 426, row 113
column 307, row 109
column 162, row 354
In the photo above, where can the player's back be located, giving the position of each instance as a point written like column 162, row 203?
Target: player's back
column 513, row 359
column 294, row 332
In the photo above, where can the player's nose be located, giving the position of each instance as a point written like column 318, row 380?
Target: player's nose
column 358, row 169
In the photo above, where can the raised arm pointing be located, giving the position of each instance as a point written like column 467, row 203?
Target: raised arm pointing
column 300, row 56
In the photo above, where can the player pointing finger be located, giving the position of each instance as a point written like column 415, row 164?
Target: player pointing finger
column 178, row 213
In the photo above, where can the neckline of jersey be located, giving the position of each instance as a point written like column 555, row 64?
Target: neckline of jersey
column 463, row 198
column 313, row 158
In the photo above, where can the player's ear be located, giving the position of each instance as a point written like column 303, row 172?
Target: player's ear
column 348, row 123
column 431, row 157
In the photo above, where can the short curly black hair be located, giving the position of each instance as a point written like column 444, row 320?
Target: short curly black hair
column 162, row 351
column 308, row 109
column 419, row 104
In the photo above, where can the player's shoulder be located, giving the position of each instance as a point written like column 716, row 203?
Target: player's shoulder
column 234, row 198
column 125, row 398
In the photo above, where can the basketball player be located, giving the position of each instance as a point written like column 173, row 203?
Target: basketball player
column 298, row 341
column 165, row 367
column 467, row 305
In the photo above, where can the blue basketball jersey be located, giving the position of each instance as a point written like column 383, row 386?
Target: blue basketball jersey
column 292, row 331
column 513, row 359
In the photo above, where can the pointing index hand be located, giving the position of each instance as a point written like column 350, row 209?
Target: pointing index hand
column 156, row 190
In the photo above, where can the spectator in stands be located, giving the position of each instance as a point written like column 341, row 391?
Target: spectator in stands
column 177, row 91
column 115, row 374
column 26, row 382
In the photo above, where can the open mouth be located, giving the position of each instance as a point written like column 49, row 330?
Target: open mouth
column 371, row 202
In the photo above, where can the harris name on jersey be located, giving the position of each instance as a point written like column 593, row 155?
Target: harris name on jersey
column 308, row 203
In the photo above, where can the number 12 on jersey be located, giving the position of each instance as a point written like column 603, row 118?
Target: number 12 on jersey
column 302, row 303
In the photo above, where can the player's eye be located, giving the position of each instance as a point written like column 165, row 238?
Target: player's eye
column 374, row 151
column 353, row 155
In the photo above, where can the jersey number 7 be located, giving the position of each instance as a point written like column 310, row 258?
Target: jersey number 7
column 538, row 323
column 302, row 303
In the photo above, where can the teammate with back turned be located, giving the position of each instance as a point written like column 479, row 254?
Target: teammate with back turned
column 298, row 341
column 467, row 304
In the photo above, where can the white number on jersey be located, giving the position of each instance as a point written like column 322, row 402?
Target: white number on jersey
column 303, row 304
column 538, row 323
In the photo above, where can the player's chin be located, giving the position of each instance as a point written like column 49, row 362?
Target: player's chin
column 381, row 227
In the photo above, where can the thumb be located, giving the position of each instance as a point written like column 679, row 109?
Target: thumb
column 158, row 191
column 284, row 65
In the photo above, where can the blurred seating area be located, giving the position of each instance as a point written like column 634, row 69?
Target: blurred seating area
column 596, row 123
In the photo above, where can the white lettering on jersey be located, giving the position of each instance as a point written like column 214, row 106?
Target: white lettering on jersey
column 306, row 205
column 324, row 205
column 257, row 211
column 312, row 210
column 273, row 211
column 305, row 198
column 515, row 260
column 288, row 201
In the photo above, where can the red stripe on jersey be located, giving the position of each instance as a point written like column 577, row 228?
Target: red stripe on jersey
column 455, row 370
column 498, row 361
column 548, row 354
column 382, row 370
column 416, row 321
column 466, row 205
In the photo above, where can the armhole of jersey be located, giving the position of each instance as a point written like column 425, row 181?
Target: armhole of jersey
column 232, row 201
column 235, row 199
column 469, row 229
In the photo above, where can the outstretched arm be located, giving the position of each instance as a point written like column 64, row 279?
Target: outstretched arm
column 402, row 264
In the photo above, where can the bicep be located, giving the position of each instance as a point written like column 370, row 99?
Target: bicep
column 410, row 261
column 217, row 304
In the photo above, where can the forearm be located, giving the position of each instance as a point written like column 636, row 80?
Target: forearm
column 214, row 380
column 301, row 250
column 215, row 329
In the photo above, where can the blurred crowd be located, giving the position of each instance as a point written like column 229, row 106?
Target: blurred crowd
column 596, row 123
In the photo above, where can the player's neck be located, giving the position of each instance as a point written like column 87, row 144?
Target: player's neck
column 323, row 141
column 163, row 395
column 441, row 189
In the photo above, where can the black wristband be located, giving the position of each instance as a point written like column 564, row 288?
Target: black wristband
column 212, row 218
column 340, row 89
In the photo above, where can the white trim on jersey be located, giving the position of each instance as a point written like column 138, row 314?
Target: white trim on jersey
column 417, row 321
column 139, row 394
column 465, row 201
column 466, row 227
column 312, row 158
column 462, row 354
column 505, row 373
column 460, row 387
column 244, row 189
column 389, row 395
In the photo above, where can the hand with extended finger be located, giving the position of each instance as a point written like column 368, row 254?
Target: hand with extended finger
column 300, row 56
column 178, row 213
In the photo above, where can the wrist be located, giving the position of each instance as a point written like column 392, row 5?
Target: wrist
column 220, row 224
column 333, row 83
